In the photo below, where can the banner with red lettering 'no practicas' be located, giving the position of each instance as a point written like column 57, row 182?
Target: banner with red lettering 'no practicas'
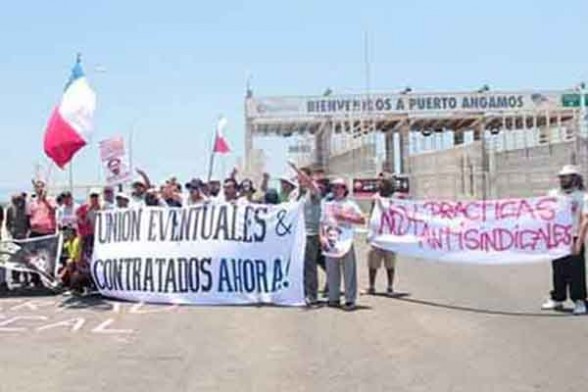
column 486, row 232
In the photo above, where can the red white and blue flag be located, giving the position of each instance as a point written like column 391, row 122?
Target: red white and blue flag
column 221, row 146
column 70, row 125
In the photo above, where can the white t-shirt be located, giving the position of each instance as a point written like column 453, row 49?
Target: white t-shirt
column 579, row 207
column 339, row 234
column 187, row 201
column 137, row 202
column 66, row 215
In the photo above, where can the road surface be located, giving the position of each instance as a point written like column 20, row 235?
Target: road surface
column 458, row 328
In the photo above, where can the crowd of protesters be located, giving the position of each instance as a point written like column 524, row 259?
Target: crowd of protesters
column 36, row 215
column 329, row 213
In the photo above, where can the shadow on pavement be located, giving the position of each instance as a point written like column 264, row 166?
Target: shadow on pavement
column 27, row 292
column 562, row 313
column 396, row 294
column 94, row 302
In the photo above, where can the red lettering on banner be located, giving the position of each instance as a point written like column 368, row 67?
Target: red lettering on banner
column 397, row 221
column 546, row 208
column 473, row 211
column 505, row 210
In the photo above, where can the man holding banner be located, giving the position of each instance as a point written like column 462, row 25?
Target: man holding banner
column 569, row 272
column 337, row 219
column 378, row 256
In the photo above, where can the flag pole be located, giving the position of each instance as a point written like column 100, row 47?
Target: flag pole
column 71, row 183
column 211, row 164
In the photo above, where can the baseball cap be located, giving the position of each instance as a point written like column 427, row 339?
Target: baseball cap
column 569, row 170
column 122, row 195
column 194, row 184
column 289, row 180
column 339, row 181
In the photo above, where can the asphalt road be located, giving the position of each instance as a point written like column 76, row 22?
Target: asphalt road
column 458, row 328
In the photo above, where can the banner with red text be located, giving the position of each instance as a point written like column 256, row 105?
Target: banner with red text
column 486, row 232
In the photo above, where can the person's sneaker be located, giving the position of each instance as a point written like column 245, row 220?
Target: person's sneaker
column 370, row 291
column 349, row 306
column 552, row 305
column 389, row 291
column 333, row 304
column 310, row 302
column 580, row 307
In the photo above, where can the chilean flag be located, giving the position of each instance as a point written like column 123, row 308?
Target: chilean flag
column 220, row 143
column 70, row 124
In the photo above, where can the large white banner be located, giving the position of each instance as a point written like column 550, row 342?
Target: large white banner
column 208, row 254
column 494, row 231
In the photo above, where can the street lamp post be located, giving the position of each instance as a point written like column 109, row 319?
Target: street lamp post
column 582, row 89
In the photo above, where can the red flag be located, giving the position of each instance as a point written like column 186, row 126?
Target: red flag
column 70, row 124
column 220, row 143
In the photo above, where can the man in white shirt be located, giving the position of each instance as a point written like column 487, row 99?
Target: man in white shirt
column 108, row 201
column 337, row 219
column 66, row 213
column 569, row 272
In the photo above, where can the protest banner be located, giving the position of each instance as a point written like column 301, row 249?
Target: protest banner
column 491, row 232
column 114, row 161
column 214, row 253
column 39, row 255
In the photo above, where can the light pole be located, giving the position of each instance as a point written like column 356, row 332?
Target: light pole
column 582, row 89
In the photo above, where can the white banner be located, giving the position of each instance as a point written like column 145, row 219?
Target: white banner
column 494, row 232
column 208, row 254
column 114, row 160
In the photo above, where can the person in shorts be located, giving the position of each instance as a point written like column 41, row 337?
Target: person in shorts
column 377, row 257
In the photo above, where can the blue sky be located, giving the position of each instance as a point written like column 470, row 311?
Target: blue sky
column 172, row 67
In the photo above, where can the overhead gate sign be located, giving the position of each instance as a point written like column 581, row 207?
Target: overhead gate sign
column 411, row 103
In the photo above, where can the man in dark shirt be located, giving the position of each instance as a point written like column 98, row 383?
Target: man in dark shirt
column 17, row 224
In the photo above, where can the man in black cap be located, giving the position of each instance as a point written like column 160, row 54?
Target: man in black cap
column 195, row 196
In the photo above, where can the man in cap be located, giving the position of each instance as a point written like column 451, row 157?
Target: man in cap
column 569, row 272
column 287, row 189
column 122, row 200
column 337, row 219
column 140, row 188
column 66, row 213
column 108, row 198
column 195, row 195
